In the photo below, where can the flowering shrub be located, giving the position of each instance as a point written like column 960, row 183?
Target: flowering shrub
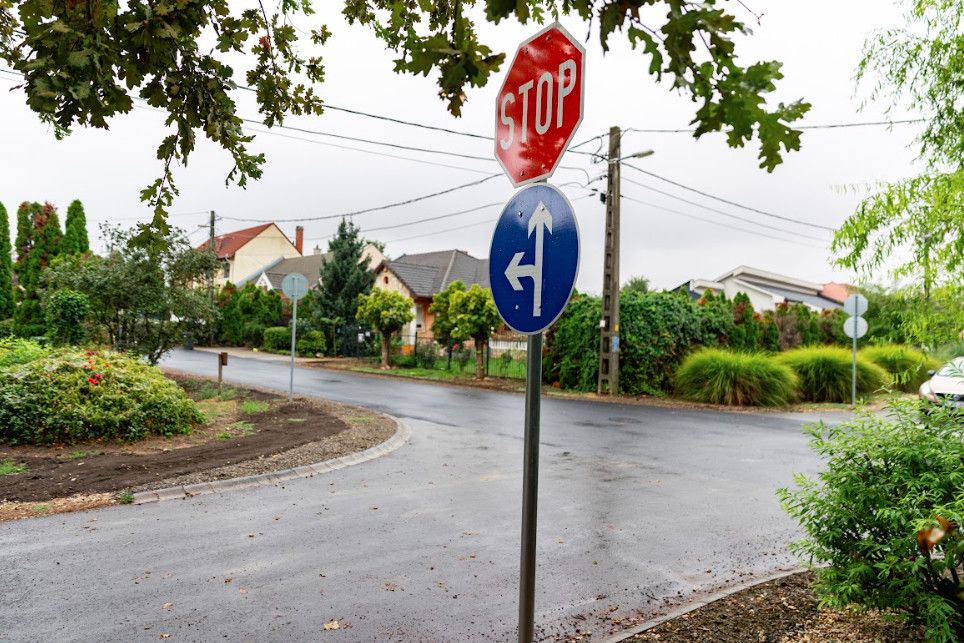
column 70, row 395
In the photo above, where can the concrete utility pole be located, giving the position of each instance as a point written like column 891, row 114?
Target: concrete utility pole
column 212, row 245
column 609, row 324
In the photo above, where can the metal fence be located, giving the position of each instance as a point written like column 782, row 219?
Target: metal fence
column 503, row 356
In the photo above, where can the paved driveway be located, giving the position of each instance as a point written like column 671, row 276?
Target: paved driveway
column 637, row 505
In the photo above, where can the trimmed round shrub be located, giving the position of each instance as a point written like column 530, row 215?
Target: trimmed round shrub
column 311, row 343
column 277, row 338
column 71, row 396
column 907, row 366
column 825, row 373
column 718, row 376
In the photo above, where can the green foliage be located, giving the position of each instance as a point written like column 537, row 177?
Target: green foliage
column 638, row 283
column 6, row 327
column 9, row 467
column 70, row 395
column 344, row 277
column 658, row 329
column 426, row 355
column 475, row 316
column 571, row 355
column 883, row 519
column 717, row 376
column 443, row 324
column 386, row 311
column 141, row 301
column 746, row 327
column 66, row 312
column 906, row 366
column 37, row 246
column 825, row 373
column 276, row 338
column 6, row 267
column 75, row 230
column 311, row 343
column 717, row 319
column 14, row 350
column 907, row 316
column 769, row 333
column 246, row 313
column 85, row 63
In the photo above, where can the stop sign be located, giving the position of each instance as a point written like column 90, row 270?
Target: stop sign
column 539, row 106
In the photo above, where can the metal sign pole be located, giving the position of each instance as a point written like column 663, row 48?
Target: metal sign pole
column 853, row 374
column 294, row 326
column 530, row 488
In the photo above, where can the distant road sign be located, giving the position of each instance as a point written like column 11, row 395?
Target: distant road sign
column 855, row 305
column 534, row 258
column 540, row 105
column 855, row 327
column 294, row 286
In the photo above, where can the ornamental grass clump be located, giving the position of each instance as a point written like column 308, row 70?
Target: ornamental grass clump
column 907, row 366
column 71, row 395
column 883, row 520
column 719, row 376
column 825, row 373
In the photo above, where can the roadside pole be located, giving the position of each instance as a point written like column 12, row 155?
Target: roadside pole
column 853, row 375
column 530, row 488
column 854, row 326
column 294, row 286
column 608, row 383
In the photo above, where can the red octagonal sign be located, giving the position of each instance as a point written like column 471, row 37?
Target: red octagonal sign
column 539, row 106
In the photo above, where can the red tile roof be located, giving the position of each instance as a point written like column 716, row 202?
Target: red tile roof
column 836, row 292
column 225, row 245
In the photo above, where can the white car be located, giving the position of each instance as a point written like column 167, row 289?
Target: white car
column 946, row 385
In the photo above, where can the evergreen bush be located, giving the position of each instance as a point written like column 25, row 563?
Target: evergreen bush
column 825, row 373
column 719, row 376
column 276, row 338
column 66, row 313
column 310, row 344
column 907, row 366
column 571, row 356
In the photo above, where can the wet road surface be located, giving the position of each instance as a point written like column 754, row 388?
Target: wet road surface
column 637, row 504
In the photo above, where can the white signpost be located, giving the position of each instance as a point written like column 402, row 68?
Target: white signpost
column 855, row 326
column 295, row 287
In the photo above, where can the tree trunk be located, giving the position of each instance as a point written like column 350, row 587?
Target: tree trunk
column 386, row 350
column 479, row 360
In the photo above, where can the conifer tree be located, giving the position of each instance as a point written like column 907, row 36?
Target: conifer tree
column 6, row 267
column 36, row 248
column 75, row 230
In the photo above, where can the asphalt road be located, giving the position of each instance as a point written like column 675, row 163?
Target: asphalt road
column 637, row 505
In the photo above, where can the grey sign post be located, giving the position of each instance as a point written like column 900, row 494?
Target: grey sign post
column 855, row 326
column 294, row 286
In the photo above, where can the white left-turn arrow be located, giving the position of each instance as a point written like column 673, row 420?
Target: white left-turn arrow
column 541, row 218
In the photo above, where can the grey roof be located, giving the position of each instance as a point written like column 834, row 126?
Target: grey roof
column 309, row 266
column 430, row 272
column 796, row 296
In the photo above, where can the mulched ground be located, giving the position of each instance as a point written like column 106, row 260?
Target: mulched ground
column 233, row 443
column 779, row 611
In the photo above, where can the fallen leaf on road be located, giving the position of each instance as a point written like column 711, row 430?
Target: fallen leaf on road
column 165, row 635
column 331, row 625
column 228, row 580
column 167, row 606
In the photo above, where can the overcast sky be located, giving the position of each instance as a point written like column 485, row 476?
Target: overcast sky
column 819, row 43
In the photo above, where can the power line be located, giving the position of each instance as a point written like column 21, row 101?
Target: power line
column 819, row 126
column 368, row 210
column 721, row 212
column 727, row 201
column 721, row 224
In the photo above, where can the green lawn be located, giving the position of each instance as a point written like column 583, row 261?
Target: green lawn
column 439, row 373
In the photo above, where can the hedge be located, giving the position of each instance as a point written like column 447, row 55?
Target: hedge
column 718, row 376
column 70, row 395
column 907, row 366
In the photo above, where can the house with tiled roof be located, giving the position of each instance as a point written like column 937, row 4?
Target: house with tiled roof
column 420, row 276
column 272, row 274
column 242, row 252
column 767, row 289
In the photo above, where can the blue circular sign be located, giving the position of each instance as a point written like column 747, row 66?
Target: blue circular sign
column 534, row 258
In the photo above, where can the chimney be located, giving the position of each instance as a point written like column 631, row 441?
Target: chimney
column 299, row 239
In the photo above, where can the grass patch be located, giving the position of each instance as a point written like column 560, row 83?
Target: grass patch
column 41, row 508
column 245, row 428
column 825, row 373
column 228, row 394
column 297, row 420
column 81, row 455
column 719, row 376
column 11, row 468
column 125, row 498
column 907, row 366
column 225, row 435
column 253, row 406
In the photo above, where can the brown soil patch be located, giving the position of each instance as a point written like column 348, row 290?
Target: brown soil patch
column 248, row 432
column 779, row 611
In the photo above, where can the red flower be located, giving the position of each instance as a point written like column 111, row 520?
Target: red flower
column 92, row 381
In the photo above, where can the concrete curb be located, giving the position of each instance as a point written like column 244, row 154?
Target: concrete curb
column 400, row 437
column 712, row 598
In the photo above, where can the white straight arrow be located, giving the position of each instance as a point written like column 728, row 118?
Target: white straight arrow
column 541, row 217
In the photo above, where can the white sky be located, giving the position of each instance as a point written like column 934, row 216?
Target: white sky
column 819, row 43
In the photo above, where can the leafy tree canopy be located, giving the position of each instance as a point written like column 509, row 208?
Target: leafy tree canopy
column 474, row 315
column 443, row 325
column 386, row 311
column 918, row 220
column 86, row 62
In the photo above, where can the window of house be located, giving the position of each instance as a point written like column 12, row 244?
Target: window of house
column 385, row 280
column 226, row 269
